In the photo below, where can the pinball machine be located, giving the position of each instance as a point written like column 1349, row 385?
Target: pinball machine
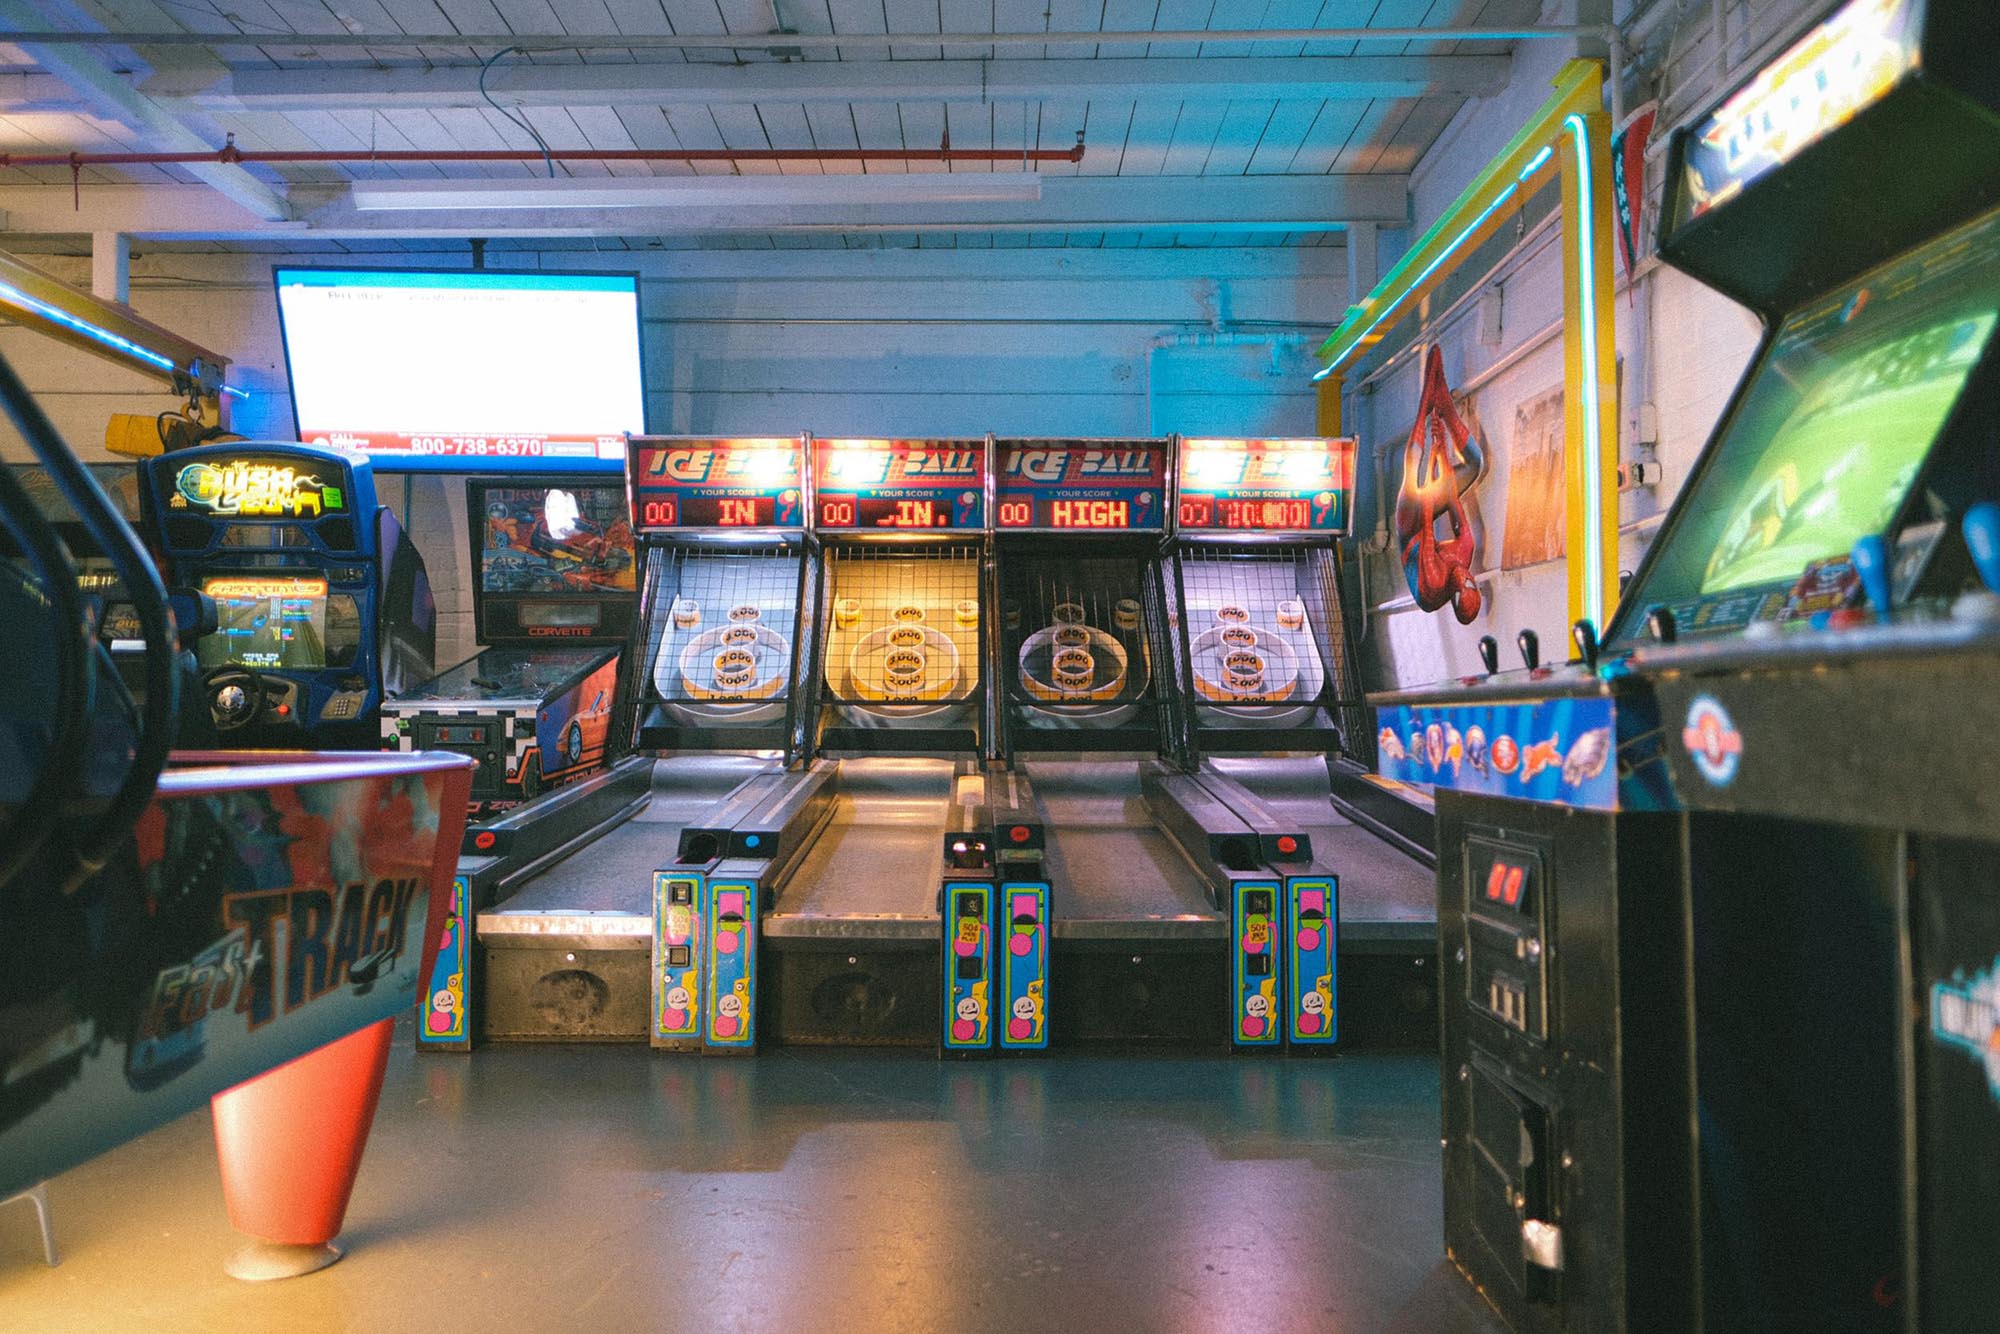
column 323, row 602
column 554, row 584
column 1719, row 1032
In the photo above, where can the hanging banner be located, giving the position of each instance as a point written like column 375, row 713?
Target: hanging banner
column 1628, row 181
column 1442, row 465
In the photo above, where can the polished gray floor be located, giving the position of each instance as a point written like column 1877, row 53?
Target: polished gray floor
column 605, row 1188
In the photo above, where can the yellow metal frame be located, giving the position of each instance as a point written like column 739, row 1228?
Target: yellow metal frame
column 37, row 301
column 1570, row 135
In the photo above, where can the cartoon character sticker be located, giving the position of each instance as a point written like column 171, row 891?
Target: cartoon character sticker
column 445, row 1011
column 1506, row 755
column 677, row 1004
column 1475, row 748
column 1025, row 1024
column 968, row 1018
column 1712, row 741
column 1542, row 755
column 1258, row 1007
column 1316, row 1008
column 732, row 1010
column 1391, row 745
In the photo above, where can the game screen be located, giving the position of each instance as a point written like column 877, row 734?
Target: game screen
column 465, row 371
column 555, row 540
column 1830, row 437
column 266, row 622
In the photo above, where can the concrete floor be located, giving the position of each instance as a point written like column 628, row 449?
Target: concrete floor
column 553, row 1188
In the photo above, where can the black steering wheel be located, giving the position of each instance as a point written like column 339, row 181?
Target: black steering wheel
column 235, row 695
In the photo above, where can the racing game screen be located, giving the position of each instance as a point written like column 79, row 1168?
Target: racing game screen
column 266, row 622
column 1829, row 438
column 548, row 540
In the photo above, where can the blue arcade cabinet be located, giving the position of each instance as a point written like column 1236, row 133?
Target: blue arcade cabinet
column 323, row 605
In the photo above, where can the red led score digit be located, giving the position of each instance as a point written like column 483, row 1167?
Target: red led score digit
column 837, row 514
column 660, row 514
column 1016, row 513
column 1197, row 511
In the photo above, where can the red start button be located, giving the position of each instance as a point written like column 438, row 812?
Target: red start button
column 1287, row 844
column 483, row 839
column 1019, row 833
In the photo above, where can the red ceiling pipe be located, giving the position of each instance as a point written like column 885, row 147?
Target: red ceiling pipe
column 234, row 154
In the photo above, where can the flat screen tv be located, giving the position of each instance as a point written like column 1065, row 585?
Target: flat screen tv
column 466, row 371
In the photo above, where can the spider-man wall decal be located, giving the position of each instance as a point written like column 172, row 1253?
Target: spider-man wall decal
column 1442, row 464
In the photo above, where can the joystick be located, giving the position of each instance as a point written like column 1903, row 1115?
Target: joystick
column 1530, row 645
column 1584, row 633
column 1660, row 621
column 1982, row 540
column 1489, row 653
column 1871, row 562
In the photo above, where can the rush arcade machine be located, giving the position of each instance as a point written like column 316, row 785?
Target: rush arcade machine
column 648, row 934
column 1817, row 619
column 1269, row 693
column 323, row 604
column 898, row 717
column 554, row 584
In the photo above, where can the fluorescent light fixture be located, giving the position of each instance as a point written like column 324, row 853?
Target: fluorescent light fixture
column 673, row 192
column 1593, row 392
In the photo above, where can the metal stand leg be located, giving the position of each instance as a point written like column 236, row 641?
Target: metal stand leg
column 38, row 1195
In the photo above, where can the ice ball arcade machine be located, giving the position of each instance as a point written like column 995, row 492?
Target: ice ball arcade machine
column 323, row 603
column 1256, row 610
column 554, row 584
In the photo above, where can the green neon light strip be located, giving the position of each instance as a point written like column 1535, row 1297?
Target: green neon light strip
column 1593, row 486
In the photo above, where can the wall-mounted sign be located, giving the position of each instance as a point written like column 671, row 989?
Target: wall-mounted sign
column 1819, row 84
column 680, row 482
column 1266, row 485
column 252, row 488
column 899, row 484
column 1082, row 485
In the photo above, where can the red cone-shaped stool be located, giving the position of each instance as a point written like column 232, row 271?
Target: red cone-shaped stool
column 290, row 1142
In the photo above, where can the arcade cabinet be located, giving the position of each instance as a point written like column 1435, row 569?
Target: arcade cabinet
column 324, row 606
column 897, row 705
column 1272, row 696
column 554, row 583
column 601, row 942
column 1719, row 1049
column 1817, row 622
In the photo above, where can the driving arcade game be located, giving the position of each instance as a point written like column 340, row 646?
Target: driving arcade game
column 1271, row 694
column 217, row 926
column 323, row 603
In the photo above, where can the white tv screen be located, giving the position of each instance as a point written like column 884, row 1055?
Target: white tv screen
column 465, row 370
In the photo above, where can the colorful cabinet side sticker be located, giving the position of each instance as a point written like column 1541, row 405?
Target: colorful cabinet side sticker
column 677, row 960
column 443, row 1021
column 968, row 967
column 1311, row 973
column 1255, row 1015
column 1024, row 966
column 730, row 924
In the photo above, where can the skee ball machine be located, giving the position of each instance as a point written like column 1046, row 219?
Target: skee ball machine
column 1083, row 644
column 1257, row 615
column 897, row 672
column 324, row 604
column 554, row 583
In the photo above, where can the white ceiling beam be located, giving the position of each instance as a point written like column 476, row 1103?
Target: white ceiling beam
column 1068, row 203
column 107, row 93
column 1216, row 79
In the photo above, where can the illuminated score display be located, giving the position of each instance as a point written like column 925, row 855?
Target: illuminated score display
column 1082, row 485
column 899, row 484
column 1266, row 485
column 681, row 483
